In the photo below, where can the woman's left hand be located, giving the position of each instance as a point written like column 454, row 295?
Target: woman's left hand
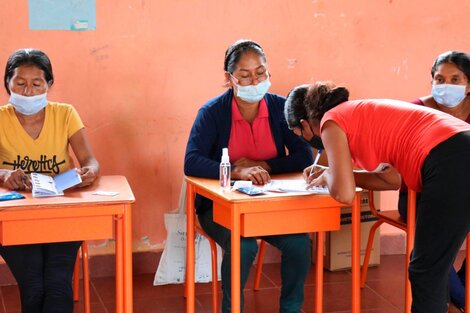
column 88, row 174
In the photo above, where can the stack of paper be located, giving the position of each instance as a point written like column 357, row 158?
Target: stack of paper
column 294, row 185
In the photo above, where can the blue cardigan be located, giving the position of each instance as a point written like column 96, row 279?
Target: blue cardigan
column 211, row 132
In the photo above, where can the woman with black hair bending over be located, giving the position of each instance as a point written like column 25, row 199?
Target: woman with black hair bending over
column 430, row 149
column 250, row 122
column 35, row 135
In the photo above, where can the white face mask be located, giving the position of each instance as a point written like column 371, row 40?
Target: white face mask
column 28, row 105
column 448, row 95
column 253, row 93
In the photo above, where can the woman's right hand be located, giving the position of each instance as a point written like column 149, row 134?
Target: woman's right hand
column 318, row 181
column 318, row 170
column 257, row 174
column 16, row 180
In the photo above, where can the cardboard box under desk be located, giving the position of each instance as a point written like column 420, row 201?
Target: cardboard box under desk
column 338, row 243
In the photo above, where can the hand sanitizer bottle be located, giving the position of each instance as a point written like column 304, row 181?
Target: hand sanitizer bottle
column 225, row 171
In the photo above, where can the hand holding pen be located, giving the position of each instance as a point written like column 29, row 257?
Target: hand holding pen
column 309, row 172
column 16, row 180
column 317, row 157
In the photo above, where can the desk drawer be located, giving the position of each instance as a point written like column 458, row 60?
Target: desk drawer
column 282, row 222
column 56, row 230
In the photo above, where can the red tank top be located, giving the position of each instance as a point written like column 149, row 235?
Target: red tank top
column 394, row 132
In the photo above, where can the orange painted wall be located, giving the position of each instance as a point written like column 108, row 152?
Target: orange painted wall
column 139, row 78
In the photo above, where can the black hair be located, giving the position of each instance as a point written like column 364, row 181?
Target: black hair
column 237, row 49
column 28, row 57
column 460, row 59
column 294, row 108
column 311, row 102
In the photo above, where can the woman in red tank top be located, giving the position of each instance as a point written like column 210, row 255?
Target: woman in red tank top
column 392, row 139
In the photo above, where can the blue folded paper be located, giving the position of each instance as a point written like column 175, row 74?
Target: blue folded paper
column 251, row 190
column 10, row 195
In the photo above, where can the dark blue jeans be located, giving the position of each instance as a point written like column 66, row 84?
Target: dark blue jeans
column 296, row 258
column 442, row 222
column 44, row 275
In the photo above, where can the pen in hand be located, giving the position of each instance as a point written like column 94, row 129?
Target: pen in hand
column 316, row 161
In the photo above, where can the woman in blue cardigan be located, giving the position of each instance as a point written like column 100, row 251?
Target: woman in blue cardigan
column 250, row 122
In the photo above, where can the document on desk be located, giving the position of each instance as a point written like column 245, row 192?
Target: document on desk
column 293, row 185
column 47, row 186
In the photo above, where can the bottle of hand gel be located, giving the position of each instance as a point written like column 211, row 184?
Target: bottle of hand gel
column 225, row 170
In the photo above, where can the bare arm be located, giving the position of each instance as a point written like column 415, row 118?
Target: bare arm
column 245, row 162
column 389, row 180
column 89, row 166
column 339, row 176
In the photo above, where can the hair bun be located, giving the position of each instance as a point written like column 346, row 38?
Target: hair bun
column 334, row 97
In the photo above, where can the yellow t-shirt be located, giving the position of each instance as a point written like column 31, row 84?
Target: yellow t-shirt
column 47, row 154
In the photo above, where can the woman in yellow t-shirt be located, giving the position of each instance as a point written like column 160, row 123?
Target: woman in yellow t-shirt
column 34, row 137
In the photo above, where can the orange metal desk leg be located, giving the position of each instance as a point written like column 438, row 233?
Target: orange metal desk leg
column 319, row 272
column 190, row 248
column 356, row 254
column 86, row 277
column 76, row 278
column 235, row 223
column 467, row 280
column 127, row 257
column 410, row 239
column 119, row 266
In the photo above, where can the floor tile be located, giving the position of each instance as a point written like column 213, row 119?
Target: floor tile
column 11, row 298
column 94, row 308
column 337, row 297
column 383, row 293
column 392, row 267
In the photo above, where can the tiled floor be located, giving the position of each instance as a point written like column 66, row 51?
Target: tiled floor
column 383, row 292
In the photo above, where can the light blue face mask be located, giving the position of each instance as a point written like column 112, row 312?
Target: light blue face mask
column 28, row 105
column 448, row 95
column 253, row 93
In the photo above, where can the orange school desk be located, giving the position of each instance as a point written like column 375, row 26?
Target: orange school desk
column 270, row 214
column 79, row 215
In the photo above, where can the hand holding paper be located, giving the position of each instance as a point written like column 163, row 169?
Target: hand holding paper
column 47, row 186
column 87, row 174
column 318, row 181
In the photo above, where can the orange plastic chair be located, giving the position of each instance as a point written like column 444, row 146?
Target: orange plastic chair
column 393, row 218
column 259, row 264
column 86, row 277
column 215, row 296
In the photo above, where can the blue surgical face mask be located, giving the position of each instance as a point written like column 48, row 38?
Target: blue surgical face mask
column 28, row 105
column 253, row 93
column 448, row 95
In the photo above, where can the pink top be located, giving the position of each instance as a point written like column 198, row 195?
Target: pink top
column 393, row 132
column 420, row 102
column 254, row 141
